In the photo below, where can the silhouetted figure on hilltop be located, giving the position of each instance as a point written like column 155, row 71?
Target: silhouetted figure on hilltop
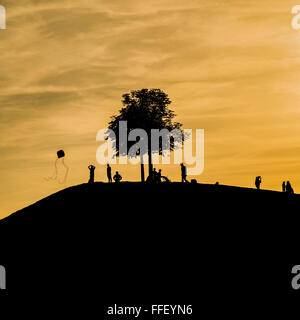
column 117, row 177
column 92, row 173
column 289, row 188
column 258, row 182
column 159, row 176
column 283, row 186
column 183, row 173
column 154, row 175
column 108, row 170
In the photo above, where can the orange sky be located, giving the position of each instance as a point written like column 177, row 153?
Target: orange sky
column 230, row 67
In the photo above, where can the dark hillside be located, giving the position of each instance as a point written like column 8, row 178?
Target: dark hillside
column 172, row 239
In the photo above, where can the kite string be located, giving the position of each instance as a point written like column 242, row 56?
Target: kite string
column 54, row 175
column 66, row 174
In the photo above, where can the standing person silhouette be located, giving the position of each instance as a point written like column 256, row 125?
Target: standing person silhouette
column 154, row 175
column 117, row 177
column 283, row 186
column 289, row 188
column 258, row 182
column 183, row 173
column 108, row 170
column 92, row 173
column 159, row 176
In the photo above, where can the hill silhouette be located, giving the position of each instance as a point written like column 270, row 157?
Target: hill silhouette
column 133, row 239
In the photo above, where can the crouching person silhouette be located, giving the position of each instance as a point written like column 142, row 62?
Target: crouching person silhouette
column 92, row 173
column 117, row 177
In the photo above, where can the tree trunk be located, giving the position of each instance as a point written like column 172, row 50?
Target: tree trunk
column 142, row 169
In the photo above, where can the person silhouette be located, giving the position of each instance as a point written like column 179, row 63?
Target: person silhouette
column 183, row 173
column 108, row 170
column 159, row 176
column 92, row 173
column 258, row 182
column 154, row 175
column 283, row 186
column 117, row 177
column 289, row 188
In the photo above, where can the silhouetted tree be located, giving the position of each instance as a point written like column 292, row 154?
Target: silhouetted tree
column 145, row 109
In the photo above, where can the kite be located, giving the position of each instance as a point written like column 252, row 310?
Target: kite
column 60, row 158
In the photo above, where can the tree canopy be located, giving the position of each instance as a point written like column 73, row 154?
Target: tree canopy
column 145, row 109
